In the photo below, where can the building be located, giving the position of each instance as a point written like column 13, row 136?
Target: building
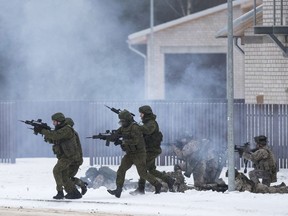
column 260, row 61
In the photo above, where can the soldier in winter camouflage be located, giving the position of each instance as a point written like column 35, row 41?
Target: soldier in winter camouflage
column 264, row 162
column 203, row 160
column 193, row 161
column 243, row 183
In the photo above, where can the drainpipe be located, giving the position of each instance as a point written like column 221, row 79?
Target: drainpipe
column 136, row 51
column 145, row 64
column 237, row 45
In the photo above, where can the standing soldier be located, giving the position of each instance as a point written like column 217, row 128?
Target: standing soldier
column 134, row 145
column 74, row 167
column 153, row 138
column 264, row 162
column 65, row 148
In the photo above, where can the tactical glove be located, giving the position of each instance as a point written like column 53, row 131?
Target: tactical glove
column 37, row 129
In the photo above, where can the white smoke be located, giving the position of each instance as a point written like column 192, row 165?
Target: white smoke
column 66, row 50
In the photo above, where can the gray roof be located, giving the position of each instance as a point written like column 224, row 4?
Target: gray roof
column 241, row 23
column 141, row 36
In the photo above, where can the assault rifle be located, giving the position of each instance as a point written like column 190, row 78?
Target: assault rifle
column 214, row 187
column 37, row 124
column 244, row 148
column 117, row 111
column 109, row 136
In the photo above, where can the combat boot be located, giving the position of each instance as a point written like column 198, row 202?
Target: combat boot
column 170, row 184
column 117, row 192
column 73, row 195
column 140, row 190
column 158, row 187
column 59, row 195
column 84, row 188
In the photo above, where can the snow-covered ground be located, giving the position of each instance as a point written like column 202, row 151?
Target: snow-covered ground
column 25, row 184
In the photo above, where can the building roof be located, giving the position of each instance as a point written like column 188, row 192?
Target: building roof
column 241, row 23
column 141, row 36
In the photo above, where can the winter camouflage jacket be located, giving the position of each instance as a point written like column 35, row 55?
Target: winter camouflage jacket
column 263, row 159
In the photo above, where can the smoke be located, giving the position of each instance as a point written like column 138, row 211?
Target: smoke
column 195, row 76
column 66, row 50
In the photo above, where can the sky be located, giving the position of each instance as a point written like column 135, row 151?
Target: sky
column 31, row 178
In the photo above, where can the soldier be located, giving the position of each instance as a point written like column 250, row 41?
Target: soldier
column 153, row 138
column 202, row 159
column 263, row 162
column 74, row 167
column 134, row 145
column 65, row 148
column 243, row 183
column 193, row 160
column 214, row 161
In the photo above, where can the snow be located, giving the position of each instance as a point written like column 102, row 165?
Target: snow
column 32, row 178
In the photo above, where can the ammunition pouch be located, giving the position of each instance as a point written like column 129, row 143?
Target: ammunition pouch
column 154, row 140
column 57, row 150
column 129, row 148
column 69, row 147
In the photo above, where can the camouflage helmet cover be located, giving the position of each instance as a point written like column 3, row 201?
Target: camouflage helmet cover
column 58, row 117
column 125, row 115
column 69, row 121
column 145, row 109
column 261, row 139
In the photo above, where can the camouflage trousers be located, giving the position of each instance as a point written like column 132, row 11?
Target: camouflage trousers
column 139, row 160
column 254, row 175
column 72, row 171
column 62, row 176
column 151, row 168
column 197, row 168
column 211, row 171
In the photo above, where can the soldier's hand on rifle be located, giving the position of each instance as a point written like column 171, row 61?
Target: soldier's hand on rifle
column 241, row 151
column 118, row 142
column 37, row 129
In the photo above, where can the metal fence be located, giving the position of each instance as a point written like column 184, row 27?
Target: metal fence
column 202, row 119
column 7, row 132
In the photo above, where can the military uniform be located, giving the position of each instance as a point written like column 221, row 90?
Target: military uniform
column 264, row 162
column 74, row 166
column 243, row 183
column 193, row 161
column 153, row 138
column 65, row 148
column 214, row 161
column 134, row 145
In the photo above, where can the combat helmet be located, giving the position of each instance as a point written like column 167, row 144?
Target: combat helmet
column 58, row 117
column 69, row 121
column 145, row 109
column 125, row 118
column 262, row 140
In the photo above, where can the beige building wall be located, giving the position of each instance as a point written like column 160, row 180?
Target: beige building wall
column 195, row 36
column 266, row 69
